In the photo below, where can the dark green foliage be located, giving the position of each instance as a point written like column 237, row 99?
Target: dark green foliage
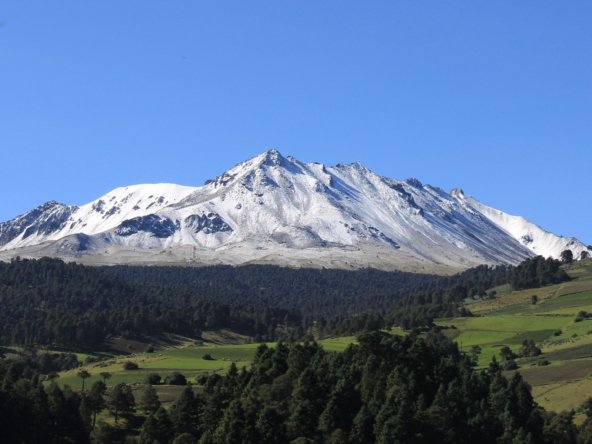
column 582, row 315
column 270, row 426
column 185, row 413
column 129, row 365
column 48, row 302
column 567, row 256
column 157, row 428
column 104, row 376
column 529, row 349
column 207, row 357
column 95, row 401
column 84, row 375
column 342, row 302
column 418, row 307
column 537, row 272
column 507, row 358
column 176, row 378
column 184, row 438
column 121, row 400
column 149, row 402
column 106, row 434
column 560, row 429
column 30, row 364
column 153, row 379
column 385, row 389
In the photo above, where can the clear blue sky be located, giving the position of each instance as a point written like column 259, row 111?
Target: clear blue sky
column 494, row 97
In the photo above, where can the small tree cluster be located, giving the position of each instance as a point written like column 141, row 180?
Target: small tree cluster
column 529, row 349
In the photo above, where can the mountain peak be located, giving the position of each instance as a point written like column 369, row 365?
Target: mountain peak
column 276, row 209
column 272, row 157
column 458, row 193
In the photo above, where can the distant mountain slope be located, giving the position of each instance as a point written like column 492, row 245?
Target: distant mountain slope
column 276, row 209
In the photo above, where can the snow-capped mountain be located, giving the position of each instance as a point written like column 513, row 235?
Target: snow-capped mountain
column 276, row 209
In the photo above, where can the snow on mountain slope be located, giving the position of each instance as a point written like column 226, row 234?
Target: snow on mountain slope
column 276, row 209
column 102, row 214
column 533, row 237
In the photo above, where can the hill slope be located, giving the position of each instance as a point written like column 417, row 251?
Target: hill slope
column 561, row 375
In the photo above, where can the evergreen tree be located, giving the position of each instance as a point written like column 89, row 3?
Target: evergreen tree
column 121, row 400
column 231, row 427
column 96, row 400
column 149, row 401
column 83, row 374
column 270, row 426
column 157, row 428
column 184, row 413
column 362, row 431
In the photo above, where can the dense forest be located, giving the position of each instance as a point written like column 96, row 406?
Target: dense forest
column 537, row 272
column 49, row 302
column 385, row 389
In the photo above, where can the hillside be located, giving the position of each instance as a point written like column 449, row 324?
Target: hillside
column 566, row 345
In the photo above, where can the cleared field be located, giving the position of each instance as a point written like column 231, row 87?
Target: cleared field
column 560, row 372
column 515, row 302
column 569, row 304
column 187, row 360
column 563, row 395
column 493, row 332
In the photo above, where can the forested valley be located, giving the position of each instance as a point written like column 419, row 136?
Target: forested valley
column 417, row 388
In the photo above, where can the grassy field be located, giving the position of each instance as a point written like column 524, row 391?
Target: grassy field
column 491, row 333
column 187, row 360
column 510, row 318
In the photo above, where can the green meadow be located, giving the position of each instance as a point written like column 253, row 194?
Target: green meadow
column 188, row 360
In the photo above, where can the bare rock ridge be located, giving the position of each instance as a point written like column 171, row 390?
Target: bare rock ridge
column 276, row 209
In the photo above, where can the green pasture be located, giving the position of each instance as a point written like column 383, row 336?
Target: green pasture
column 493, row 332
column 187, row 360
column 569, row 304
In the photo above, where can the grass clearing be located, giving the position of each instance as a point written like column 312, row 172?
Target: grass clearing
column 187, row 360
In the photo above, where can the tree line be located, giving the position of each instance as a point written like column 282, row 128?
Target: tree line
column 386, row 389
column 52, row 303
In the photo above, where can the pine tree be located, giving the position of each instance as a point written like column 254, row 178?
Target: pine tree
column 121, row 400
column 362, row 428
column 230, row 430
column 149, row 402
column 83, row 374
column 270, row 426
column 157, row 428
column 96, row 400
column 184, row 413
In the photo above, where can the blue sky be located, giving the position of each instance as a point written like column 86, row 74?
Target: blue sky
column 494, row 97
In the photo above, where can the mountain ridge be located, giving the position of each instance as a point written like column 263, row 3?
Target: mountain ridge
column 276, row 209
